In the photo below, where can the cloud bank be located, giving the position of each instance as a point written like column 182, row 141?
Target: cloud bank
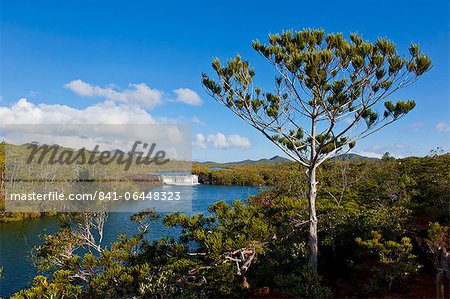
column 220, row 141
column 187, row 96
column 139, row 95
column 136, row 95
column 108, row 112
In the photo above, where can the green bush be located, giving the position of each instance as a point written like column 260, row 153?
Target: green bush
column 302, row 284
column 395, row 259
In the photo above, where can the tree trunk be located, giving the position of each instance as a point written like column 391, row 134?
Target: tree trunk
column 439, row 285
column 312, row 241
column 442, row 265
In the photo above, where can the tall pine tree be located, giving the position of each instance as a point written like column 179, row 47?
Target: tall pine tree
column 329, row 93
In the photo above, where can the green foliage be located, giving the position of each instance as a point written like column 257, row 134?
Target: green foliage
column 242, row 175
column 6, row 216
column 263, row 240
column 437, row 241
column 57, row 288
column 437, row 237
column 302, row 284
column 387, row 157
column 396, row 261
column 130, row 181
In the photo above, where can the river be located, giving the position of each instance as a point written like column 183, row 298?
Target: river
column 18, row 238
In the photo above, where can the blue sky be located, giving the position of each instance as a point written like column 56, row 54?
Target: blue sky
column 95, row 56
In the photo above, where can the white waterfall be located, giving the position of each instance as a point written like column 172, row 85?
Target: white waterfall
column 179, row 179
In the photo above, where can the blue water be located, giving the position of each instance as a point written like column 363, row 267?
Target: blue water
column 18, row 238
column 218, row 168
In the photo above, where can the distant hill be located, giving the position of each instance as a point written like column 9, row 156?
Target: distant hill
column 273, row 160
column 354, row 157
column 278, row 160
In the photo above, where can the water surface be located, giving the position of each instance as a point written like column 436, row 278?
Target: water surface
column 18, row 238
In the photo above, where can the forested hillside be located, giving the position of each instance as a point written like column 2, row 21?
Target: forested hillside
column 383, row 228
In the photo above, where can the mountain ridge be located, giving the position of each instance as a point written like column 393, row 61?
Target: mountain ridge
column 278, row 160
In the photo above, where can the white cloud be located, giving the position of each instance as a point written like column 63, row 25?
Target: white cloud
column 108, row 112
column 237, row 141
column 76, row 127
column 187, row 96
column 397, row 150
column 443, row 127
column 220, row 141
column 199, row 141
column 139, row 95
column 368, row 154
